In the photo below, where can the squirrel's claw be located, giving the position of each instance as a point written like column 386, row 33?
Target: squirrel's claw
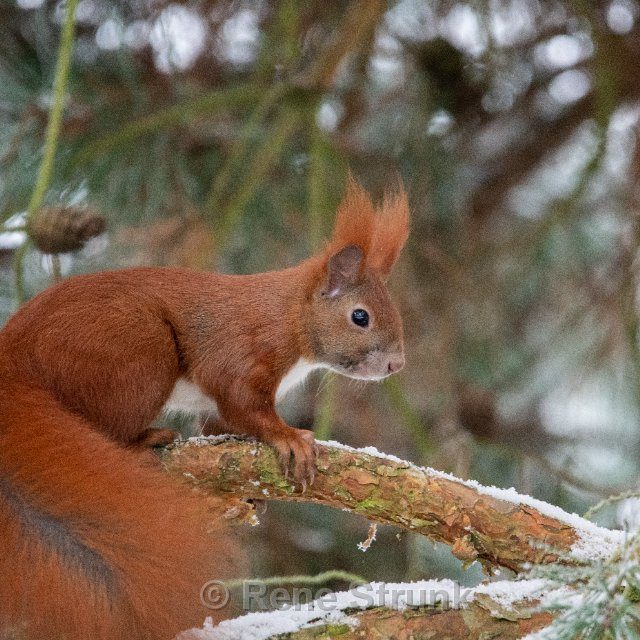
column 297, row 455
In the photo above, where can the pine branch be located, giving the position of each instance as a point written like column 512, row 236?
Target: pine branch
column 180, row 114
column 52, row 134
column 429, row 609
column 380, row 623
column 57, row 108
column 476, row 522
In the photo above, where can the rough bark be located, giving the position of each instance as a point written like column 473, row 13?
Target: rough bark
column 473, row 623
column 476, row 525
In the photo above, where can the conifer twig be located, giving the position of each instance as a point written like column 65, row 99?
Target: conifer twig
column 52, row 134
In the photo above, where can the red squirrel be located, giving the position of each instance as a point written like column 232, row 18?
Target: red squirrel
column 95, row 543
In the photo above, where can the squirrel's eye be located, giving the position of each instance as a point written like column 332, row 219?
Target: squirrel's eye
column 360, row 317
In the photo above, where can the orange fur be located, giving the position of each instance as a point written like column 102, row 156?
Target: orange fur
column 391, row 232
column 355, row 221
column 96, row 545
column 380, row 233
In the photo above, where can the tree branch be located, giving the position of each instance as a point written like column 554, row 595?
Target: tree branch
column 430, row 609
column 494, row 526
column 386, row 624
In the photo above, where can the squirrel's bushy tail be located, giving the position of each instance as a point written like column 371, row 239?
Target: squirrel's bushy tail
column 93, row 544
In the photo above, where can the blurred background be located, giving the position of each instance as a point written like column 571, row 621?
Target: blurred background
column 218, row 135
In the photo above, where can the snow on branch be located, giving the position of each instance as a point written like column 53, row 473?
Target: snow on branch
column 427, row 608
column 495, row 526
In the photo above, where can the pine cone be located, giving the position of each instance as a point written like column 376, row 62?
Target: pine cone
column 64, row 229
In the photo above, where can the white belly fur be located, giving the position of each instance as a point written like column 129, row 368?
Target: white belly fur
column 187, row 397
column 296, row 376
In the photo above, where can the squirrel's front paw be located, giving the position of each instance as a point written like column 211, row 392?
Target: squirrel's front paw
column 296, row 452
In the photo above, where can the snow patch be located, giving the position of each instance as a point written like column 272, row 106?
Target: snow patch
column 219, row 439
column 330, row 609
column 263, row 625
column 505, row 593
column 333, row 608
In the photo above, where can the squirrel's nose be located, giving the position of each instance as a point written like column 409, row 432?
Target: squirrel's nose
column 395, row 364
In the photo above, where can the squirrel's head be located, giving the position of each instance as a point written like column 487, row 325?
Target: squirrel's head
column 356, row 329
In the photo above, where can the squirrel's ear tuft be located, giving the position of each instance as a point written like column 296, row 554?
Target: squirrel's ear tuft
column 379, row 235
column 390, row 233
column 355, row 221
column 343, row 270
